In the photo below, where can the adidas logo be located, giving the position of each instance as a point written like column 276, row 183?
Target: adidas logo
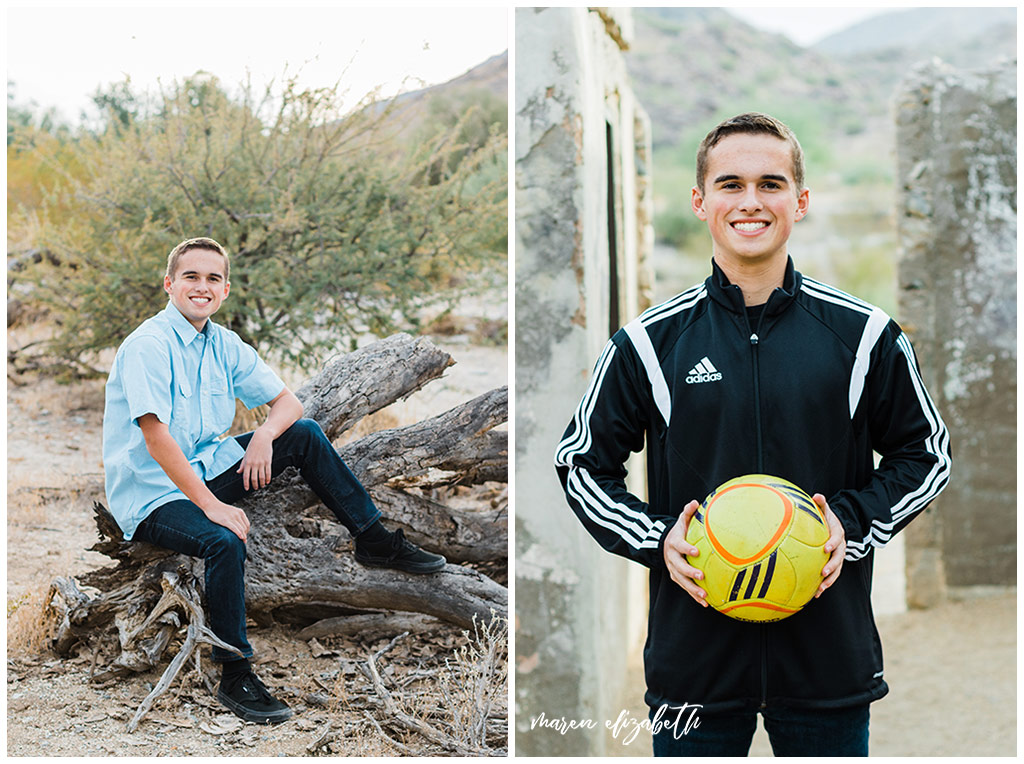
column 704, row 371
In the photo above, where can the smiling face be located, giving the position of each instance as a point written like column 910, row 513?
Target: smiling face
column 199, row 285
column 750, row 200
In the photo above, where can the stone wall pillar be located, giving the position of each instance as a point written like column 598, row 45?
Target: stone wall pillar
column 582, row 229
column 957, row 212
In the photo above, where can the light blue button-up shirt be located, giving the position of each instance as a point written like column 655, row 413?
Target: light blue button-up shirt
column 189, row 380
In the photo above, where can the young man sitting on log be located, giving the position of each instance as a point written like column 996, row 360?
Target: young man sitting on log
column 171, row 479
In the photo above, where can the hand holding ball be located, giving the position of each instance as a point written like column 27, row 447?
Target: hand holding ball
column 762, row 547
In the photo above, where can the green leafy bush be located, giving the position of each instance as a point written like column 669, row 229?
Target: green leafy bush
column 337, row 224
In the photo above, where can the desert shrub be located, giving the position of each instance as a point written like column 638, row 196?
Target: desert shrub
column 337, row 224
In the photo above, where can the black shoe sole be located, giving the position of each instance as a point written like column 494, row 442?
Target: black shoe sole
column 408, row 567
column 272, row 717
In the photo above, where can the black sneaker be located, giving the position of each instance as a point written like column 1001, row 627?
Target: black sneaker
column 249, row 698
column 400, row 554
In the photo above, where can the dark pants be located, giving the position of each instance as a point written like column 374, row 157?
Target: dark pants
column 183, row 527
column 792, row 732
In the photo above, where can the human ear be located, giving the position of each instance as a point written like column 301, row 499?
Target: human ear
column 697, row 204
column 803, row 201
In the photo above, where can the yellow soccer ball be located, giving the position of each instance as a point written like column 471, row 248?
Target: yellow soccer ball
column 761, row 542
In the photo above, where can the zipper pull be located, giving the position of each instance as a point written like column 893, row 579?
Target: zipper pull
column 753, row 339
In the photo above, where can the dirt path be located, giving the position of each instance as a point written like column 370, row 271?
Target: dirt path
column 54, row 474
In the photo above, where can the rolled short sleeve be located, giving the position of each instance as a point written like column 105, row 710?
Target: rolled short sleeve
column 254, row 382
column 146, row 378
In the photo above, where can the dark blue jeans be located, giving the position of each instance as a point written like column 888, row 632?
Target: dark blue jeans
column 792, row 732
column 183, row 527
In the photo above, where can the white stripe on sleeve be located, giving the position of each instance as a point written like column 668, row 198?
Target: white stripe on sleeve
column 937, row 444
column 873, row 329
column 659, row 387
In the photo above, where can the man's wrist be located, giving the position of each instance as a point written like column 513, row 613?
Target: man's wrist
column 264, row 432
column 208, row 503
column 661, row 544
column 843, row 515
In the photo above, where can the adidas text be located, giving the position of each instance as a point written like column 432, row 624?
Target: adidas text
column 694, row 379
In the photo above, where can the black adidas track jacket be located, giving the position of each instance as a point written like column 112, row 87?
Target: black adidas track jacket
column 807, row 394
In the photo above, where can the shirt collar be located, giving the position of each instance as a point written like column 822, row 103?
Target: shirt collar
column 182, row 326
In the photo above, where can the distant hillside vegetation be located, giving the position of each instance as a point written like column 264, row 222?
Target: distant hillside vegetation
column 691, row 64
column 485, row 85
column 491, row 75
column 688, row 64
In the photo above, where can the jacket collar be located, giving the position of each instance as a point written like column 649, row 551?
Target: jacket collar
column 730, row 296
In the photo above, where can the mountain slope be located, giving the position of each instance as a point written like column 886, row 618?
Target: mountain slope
column 491, row 75
column 688, row 64
column 691, row 65
column 484, row 86
column 922, row 31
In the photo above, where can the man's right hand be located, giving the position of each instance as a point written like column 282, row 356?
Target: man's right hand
column 230, row 517
column 676, row 548
column 168, row 454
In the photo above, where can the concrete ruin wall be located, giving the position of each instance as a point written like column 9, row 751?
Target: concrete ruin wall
column 957, row 212
column 579, row 610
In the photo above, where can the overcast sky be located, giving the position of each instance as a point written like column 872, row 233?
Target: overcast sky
column 806, row 26
column 60, row 56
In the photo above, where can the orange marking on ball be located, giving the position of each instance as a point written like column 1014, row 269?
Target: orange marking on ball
column 765, row 605
column 786, row 518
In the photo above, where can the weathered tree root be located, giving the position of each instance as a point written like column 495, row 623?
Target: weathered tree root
column 179, row 597
column 177, row 593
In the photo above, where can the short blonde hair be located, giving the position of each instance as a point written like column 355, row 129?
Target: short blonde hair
column 200, row 243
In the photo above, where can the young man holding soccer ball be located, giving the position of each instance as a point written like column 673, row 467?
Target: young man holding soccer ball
column 757, row 370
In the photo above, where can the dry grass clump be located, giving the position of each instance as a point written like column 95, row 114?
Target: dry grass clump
column 418, row 703
column 470, row 718
column 29, row 629
column 474, row 686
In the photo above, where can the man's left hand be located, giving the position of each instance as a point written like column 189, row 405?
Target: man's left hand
column 256, row 464
column 835, row 546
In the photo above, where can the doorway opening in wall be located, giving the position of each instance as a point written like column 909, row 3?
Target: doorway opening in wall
column 614, row 322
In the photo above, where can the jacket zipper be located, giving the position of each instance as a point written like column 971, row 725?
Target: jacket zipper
column 757, row 400
column 755, row 330
column 754, row 341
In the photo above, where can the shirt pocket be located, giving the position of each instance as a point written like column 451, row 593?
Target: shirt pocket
column 218, row 385
column 221, row 402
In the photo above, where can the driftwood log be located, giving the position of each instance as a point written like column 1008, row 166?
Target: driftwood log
column 300, row 569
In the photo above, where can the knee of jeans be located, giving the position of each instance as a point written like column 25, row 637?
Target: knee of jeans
column 226, row 545
column 310, row 429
